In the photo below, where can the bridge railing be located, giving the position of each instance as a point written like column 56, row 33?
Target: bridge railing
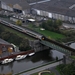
column 56, row 47
column 59, row 44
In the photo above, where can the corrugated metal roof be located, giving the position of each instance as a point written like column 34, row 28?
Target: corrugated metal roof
column 57, row 6
column 21, row 3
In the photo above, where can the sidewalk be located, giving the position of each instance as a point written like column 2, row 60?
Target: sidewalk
column 42, row 68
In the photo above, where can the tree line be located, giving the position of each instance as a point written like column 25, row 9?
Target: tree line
column 70, row 35
column 52, row 25
column 22, row 43
column 68, row 69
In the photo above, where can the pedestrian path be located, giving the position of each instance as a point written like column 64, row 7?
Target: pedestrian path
column 42, row 68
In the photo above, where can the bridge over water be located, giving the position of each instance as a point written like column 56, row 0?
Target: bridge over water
column 57, row 46
column 47, row 42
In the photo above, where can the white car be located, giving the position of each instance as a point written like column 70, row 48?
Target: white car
column 31, row 54
column 19, row 57
column 7, row 61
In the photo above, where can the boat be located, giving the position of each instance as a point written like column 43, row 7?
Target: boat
column 10, row 60
column 19, row 57
column 31, row 54
column 5, row 61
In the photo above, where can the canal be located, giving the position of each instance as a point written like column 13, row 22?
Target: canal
column 36, row 60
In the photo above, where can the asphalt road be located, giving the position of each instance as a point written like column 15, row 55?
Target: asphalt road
column 69, row 25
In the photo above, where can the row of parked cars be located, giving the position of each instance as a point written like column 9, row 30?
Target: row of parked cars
column 18, row 57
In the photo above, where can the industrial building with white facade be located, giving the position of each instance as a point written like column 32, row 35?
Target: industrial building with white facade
column 56, row 9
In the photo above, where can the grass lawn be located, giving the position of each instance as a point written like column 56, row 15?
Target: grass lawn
column 16, row 32
column 73, row 57
column 47, row 33
column 51, row 34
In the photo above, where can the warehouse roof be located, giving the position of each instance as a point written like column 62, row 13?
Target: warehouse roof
column 22, row 3
column 32, row 1
column 64, row 7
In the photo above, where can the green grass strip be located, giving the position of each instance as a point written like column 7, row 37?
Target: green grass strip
column 49, row 34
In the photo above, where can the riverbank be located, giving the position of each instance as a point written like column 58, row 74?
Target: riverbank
column 40, row 68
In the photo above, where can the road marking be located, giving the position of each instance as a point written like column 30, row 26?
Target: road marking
column 39, row 2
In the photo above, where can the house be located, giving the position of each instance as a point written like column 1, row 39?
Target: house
column 18, row 6
column 5, row 47
column 56, row 9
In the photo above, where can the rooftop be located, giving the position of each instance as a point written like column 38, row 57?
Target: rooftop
column 3, row 42
column 22, row 3
column 64, row 7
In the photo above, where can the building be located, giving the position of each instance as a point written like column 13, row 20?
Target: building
column 18, row 6
column 56, row 9
column 5, row 47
